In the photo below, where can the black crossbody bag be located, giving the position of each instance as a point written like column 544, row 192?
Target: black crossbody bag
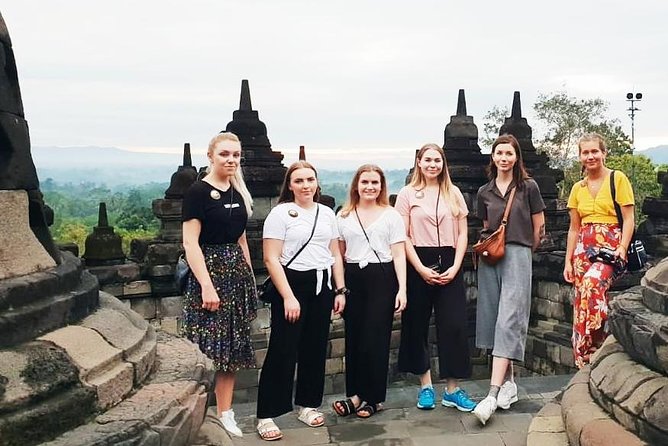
column 369, row 241
column 267, row 290
column 636, row 256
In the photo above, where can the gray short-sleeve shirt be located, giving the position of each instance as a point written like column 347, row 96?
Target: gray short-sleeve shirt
column 528, row 201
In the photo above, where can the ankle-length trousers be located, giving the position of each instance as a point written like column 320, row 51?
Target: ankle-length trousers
column 302, row 344
column 368, row 315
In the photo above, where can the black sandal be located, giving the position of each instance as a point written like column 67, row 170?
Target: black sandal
column 370, row 409
column 343, row 408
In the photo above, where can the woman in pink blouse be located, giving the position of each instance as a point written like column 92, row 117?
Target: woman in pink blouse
column 434, row 213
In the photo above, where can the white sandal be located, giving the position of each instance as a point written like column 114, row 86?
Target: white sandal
column 265, row 427
column 309, row 415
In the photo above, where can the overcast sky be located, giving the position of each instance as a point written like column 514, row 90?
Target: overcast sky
column 380, row 77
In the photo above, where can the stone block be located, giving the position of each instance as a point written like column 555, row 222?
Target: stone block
column 247, row 378
column 115, row 289
column 161, row 271
column 113, row 384
column 137, row 288
column 171, row 306
column 333, row 366
column 577, row 416
column 260, row 354
column 395, row 339
column 606, row 433
column 656, row 410
column 337, row 348
column 635, row 403
column 547, row 424
column 128, row 272
column 546, row 439
column 171, row 325
column 27, row 253
column 145, row 306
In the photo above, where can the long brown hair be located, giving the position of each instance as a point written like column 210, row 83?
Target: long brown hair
column 520, row 173
column 354, row 194
column 286, row 194
column 445, row 185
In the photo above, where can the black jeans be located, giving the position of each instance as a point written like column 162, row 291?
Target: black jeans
column 303, row 342
column 449, row 305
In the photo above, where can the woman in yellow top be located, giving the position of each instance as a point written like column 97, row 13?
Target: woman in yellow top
column 594, row 226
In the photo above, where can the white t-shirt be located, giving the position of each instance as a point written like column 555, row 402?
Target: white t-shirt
column 293, row 225
column 385, row 231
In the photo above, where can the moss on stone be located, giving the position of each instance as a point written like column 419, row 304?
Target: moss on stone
column 3, row 383
column 48, row 366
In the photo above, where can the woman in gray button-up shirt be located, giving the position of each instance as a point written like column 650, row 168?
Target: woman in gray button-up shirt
column 504, row 289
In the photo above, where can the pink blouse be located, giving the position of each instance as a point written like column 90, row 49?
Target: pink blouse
column 420, row 208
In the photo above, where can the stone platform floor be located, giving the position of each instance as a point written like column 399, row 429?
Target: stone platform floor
column 401, row 423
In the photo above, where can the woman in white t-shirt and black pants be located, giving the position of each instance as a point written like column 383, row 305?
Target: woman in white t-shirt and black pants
column 308, row 289
column 372, row 237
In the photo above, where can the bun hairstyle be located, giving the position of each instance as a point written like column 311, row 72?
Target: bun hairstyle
column 286, row 195
column 237, row 180
column 448, row 189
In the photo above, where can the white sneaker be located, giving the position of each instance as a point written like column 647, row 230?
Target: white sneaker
column 507, row 395
column 230, row 424
column 485, row 409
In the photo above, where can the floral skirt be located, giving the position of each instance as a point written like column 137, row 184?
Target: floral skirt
column 592, row 281
column 223, row 335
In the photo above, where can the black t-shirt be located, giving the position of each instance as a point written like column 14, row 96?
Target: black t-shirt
column 222, row 213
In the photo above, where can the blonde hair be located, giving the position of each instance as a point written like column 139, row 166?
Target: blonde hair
column 353, row 194
column 237, row 180
column 587, row 137
column 445, row 185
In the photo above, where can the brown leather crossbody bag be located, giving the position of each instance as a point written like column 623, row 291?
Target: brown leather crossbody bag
column 493, row 248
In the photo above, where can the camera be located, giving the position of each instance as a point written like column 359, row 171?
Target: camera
column 605, row 255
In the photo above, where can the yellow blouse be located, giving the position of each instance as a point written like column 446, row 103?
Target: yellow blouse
column 600, row 209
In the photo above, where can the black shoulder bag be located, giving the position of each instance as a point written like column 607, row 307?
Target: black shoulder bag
column 636, row 256
column 267, row 290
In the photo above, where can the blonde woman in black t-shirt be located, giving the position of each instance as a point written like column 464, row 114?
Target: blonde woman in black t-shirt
column 220, row 297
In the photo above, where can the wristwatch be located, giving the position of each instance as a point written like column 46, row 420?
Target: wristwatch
column 343, row 290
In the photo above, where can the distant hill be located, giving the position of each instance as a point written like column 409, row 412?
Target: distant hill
column 658, row 154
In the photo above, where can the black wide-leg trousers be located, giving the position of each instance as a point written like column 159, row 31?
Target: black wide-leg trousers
column 303, row 342
column 449, row 305
column 368, row 316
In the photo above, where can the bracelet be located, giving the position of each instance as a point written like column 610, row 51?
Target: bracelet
column 343, row 290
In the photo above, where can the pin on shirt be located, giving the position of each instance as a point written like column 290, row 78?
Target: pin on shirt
column 292, row 213
column 215, row 195
column 419, row 195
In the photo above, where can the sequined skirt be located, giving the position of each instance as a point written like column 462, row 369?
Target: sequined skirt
column 223, row 335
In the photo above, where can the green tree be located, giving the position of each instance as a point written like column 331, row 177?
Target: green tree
column 642, row 173
column 491, row 123
column 563, row 120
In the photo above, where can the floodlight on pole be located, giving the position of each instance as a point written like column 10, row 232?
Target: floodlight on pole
column 633, row 98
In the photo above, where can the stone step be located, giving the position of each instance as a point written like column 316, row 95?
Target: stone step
column 23, row 290
column 642, row 331
column 585, row 422
column 74, row 372
column 167, row 410
column 28, row 321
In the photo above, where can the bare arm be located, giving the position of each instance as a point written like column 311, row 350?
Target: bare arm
column 572, row 240
column 272, row 254
column 460, row 250
column 243, row 242
column 339, row 279
column 399, row 259
column 538, row 222
column 191, row 231
column 427, row 274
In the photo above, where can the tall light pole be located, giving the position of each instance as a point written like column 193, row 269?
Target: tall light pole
column 633, row 98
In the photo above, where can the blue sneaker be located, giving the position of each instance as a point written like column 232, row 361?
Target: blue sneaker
column 426, row 399
column 458, row 399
